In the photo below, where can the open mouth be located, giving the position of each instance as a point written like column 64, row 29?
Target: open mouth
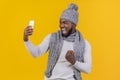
column 64, row 31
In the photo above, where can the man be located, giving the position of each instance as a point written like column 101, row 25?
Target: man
column 69, row 52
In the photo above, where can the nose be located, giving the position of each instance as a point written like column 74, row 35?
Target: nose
column 62, row 25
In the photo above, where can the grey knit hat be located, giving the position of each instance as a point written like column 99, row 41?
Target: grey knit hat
column 71, row 13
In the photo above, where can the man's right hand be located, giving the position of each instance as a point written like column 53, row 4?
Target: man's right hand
column 27, row 32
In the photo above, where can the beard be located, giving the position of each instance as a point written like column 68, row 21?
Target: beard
column 69, row 32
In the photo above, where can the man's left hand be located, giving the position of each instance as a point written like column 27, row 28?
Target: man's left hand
column 70, row 57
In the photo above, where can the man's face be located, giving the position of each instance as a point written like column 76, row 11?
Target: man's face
column 66, row 27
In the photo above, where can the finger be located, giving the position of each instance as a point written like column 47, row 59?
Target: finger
column 29, row 29
column 69, row 51
column 67, row 54
column 72, row 52
column 29, row 33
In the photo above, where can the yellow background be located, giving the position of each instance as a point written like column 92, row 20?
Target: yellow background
column 99, row 22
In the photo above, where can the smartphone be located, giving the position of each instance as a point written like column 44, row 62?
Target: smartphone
column 31, row 23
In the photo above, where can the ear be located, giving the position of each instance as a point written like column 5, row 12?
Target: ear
column 74, row 25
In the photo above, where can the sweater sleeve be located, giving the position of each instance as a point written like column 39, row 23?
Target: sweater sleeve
column 87, row 64
column 36, row 51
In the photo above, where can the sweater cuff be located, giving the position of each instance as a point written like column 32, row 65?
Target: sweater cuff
column 76, row 64
column 27, row 42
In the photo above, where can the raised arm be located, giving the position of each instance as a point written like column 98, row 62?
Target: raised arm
column 35, row 51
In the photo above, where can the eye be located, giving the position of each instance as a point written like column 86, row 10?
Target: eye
column 65, row 22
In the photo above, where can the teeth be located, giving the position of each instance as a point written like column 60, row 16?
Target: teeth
column 63, row 29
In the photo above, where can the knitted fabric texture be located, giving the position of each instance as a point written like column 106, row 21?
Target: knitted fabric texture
column 71, row 13
column 55, row 46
